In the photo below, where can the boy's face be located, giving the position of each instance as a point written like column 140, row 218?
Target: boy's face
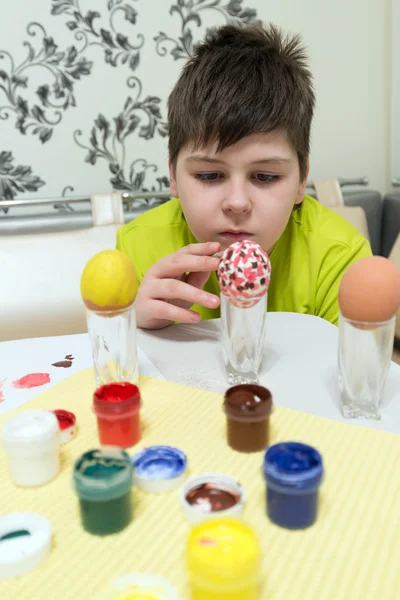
column 247, row 191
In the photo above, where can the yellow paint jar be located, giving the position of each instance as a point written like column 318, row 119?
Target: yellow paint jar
column 223, row 560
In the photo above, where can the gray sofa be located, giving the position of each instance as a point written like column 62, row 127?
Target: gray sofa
column 390, row 222
column 383, row 216
column 371, row 202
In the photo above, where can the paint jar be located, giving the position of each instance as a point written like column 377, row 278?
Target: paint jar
column 117, row 407
column 31, row 441
column 103, row 482
column 293, row 472
column 223, row 560
column 212, row 495
column 248, row 408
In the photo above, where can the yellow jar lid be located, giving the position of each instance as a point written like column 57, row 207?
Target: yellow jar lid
column 223, row 549
column 140, row 586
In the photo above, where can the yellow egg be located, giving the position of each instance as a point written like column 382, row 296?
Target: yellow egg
column 109, row 281
column 370, row 290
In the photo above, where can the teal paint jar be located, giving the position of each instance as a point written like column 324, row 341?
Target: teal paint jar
column 103, row 481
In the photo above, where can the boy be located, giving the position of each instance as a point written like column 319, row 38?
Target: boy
column 239, row 135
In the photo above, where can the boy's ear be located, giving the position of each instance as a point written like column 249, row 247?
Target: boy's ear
column 172, row 180
column 303, row 184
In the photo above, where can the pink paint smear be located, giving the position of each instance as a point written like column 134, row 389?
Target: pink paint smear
column 1, row 391
column 32, row 380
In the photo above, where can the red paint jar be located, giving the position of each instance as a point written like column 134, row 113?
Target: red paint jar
column 117, row 407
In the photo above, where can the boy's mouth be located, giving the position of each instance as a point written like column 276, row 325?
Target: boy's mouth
column 236, row 236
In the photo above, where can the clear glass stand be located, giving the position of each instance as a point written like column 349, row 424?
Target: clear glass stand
column 114, row 349
column 243, row 333
column 365, row 352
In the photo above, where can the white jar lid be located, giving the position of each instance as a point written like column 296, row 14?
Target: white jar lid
column 140, row 585
column 30, row 426
column 201, row 495
column 24, row 543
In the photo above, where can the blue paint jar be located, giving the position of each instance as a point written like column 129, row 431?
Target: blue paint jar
column 293, row 472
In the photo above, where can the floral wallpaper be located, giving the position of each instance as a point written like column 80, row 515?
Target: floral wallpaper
column 83, row 90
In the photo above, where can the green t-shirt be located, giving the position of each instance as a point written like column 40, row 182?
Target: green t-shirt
column 308, row 261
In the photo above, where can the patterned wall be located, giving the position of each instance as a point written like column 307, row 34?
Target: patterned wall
column 83, row 90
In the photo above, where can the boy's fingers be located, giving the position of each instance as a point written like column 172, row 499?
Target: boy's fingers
column 170, row 312
column 197, row 280
column 202, row 249
column 174, row 265
column 174, row 289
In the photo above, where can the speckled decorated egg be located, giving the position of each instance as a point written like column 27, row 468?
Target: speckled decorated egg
column 244, row 273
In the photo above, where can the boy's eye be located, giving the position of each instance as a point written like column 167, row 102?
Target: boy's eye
column 266, row 177
column 208, row 177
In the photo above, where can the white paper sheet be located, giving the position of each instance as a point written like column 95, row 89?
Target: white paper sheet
column 22, row 357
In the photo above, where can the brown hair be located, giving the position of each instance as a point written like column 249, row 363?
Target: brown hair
column 243, row 79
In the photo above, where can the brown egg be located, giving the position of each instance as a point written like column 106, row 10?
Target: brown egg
column 370, row 290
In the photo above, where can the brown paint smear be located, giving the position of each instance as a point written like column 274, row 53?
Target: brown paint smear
column 66, row 363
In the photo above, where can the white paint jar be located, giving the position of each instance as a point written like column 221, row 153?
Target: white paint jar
column 31, row 441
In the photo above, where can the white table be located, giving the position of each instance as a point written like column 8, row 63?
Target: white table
column 299, row 367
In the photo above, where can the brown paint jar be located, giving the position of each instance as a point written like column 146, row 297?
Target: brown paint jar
column 248, row 408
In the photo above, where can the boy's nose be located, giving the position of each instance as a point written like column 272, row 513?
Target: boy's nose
column 237, row 202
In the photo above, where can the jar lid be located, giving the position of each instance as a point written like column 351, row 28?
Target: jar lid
column 248, row 401
column 212, row 495
column 159, row 468
column 293, row 465
column 30, row 426
column 24, row 543
column 120, row 397
column 66, row 424
column 221, row 550
column 140, row 586
column 101, row 475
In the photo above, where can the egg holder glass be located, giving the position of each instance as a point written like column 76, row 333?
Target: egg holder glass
column 243, row 334
column 112, row 335
column 364, row 357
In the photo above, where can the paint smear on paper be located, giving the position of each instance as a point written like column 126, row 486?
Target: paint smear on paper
column 1, row 391
column 32, row 380
column 66, row 363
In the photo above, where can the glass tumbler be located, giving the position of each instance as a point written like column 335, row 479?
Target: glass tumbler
column 243, row 333
column 114, row 348
column 365, row 352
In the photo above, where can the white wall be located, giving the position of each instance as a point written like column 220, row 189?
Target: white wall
column 349, row 46
column 395, row 106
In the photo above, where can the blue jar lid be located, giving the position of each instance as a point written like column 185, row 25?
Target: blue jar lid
column 293, row 466
column 159, row 462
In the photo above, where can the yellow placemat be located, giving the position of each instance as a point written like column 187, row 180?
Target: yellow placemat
column 352, row 553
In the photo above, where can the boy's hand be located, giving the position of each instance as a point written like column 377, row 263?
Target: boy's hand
column 174, row 284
